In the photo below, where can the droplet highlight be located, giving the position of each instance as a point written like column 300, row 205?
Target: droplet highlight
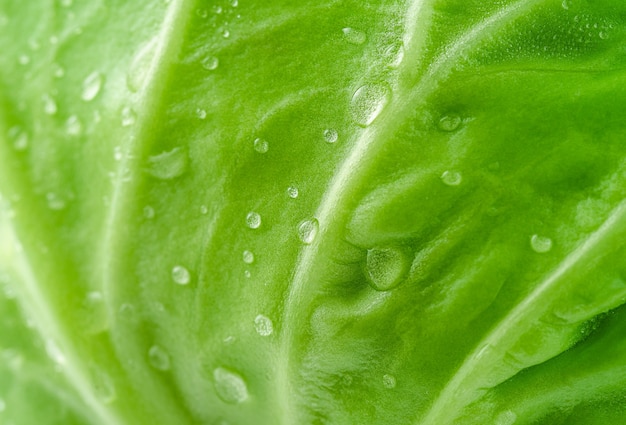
column 451, row 178
column 211, row 63
column 92, row 86
column 394, row 54
column 368, row 102
column 261, row 145
column 230, row 386
column 73, row 126
column 331, row 135
column 293, row 192
column 263, row 325
column 540, row 244
column 307, row 231
column 181, row 275
column 354, row 36
column 248, row 257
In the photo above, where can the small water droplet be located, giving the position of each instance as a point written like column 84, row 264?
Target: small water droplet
column 234, row 3
column 3, row 405
column 540, row 244
column 55, row 202
column 385, row 268
column 203, row 209
column 129, row 116
column 225, row 33
column 218, row 10
column 59, row 72
column 118, row 154
column 24, row 59
column 19, row 138
column 210, row 63
column 53, row 40
column 368, row 102
column 451, row 178
column 389, row 381
column 148, row 212
column 49, row 105
column 73, row 126
column 253, row 220
column 331, row 135
column 127, row 313
column 261, row 145
column 263, row 325
column 201, row 113
column 202, row 13
column 140, row 65
column 168, row 165
column 181, row 275
column 565, row 4
column 230, row 386
column 307, row 230
column 103, row 385
column 507, row 417
column 293, row 192
column 92, row 86
column 603, row 35
column 159, row 358
column 394, row 54
column 247, row 274
column 450, row 122
column 248, row 257
column 96, row 314
column 354, row 36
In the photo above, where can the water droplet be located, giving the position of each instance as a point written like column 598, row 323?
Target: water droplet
column 389, row 381
column 210, row 63
column 96, row 314
column 19, row 138
column 59, row 72
column 540, row 244
column 451, row 178
column 450, row 122
column 307, row 230
column 24, row 59
column 159, row 358
column 507, row 417
column 263, row 325
column 73, row 126
column 66, row 3
column 217, row 10
column 225, row 33
column 129, row 116
column 368, row 102
column 247, row 274
column 202, row 13
column 118, row 154
column 148, row 212
column 261, row 145
column 565, row 4
column 385, row 268
column 55, row 202
column 49, row 105
column 330, row 135
column 234, row 3
column 102, row 385
column 253, row 220
column 394, row 54
column 293, row 192
column 140, row 65
column 201, row 113
column 248, row 257
column 168, row 165
column 203, row 209
column 53, row 39
column 181, row 275
column 353, row 36
column 603, row 35
column 3, row 405
column 92, row 86
column 230, row 386
column 127, row 313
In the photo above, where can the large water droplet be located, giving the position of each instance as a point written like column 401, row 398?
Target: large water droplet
column 394, row 54
column 168, row 165
column 230, row 386
column 248, row 257
column 540, row 244
column 140, row 66
column 307, row 230
column 261, row 145
column 253, row 220
column 450, row 122
column 159, row 358
column 451, row 178
column 181, row 275
column 331, row 135
column 91, row 86
column 263, row 325
column 73, row 126
column 210, row 63
column 49, row 105
column 389, row 381
column 368, row 102
column 354, row 36
column 129, row 116
column 293, row 192
column 385, row 268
